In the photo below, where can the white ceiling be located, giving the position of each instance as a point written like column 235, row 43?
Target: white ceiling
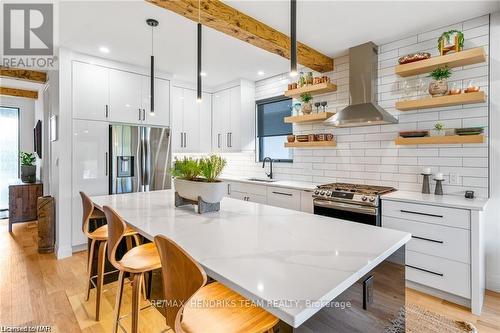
column 328, row 26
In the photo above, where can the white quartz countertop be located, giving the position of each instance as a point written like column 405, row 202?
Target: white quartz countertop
column 281, row 258
column 453, row 201
column 297, row 185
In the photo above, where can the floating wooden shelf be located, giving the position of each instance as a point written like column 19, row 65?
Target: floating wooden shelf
column 448, row 100
column 432, row 140
column 321, row 116
column 311, row 144
column 462, row 58
column 315, row 89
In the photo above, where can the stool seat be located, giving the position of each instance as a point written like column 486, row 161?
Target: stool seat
column 141, row 259
column 101, row 233
column 204, row 312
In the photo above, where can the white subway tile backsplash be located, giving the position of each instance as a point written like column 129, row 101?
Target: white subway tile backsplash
column 368, row 155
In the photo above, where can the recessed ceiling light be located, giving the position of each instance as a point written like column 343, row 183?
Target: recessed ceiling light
column 260, row 73
column 104, row 49
column 203, row 74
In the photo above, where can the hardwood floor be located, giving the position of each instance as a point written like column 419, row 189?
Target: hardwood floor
column 36, row 290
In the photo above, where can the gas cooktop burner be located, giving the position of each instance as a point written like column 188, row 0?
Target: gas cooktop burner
column 357, row 188
column 351, row 193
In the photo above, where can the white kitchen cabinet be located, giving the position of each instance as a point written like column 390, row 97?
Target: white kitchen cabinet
column 90, row 168
column 125, row 97
column 306, row 201
column 191, row 120
column 90, row 89
column 233, row 115
column 247, row 192
column 283, row 197
column 161, row 115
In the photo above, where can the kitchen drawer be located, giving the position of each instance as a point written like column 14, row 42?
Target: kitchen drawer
column 248, row 197
column 283, row 197
column 442, row 274
column 246, row 188
column 459, row 218
column 437, row 240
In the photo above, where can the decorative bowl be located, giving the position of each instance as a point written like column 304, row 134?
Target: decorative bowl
column 413, row 134
column 472, row 89
column 454, row 91
column 414, row 57
column 290, row 138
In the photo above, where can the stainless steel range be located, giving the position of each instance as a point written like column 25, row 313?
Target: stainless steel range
column 353, row 202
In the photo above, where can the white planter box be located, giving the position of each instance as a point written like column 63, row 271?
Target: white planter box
column 209, row 192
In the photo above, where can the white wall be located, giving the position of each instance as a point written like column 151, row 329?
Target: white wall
column 368, row 154
column 493, row 211
column 26, row 119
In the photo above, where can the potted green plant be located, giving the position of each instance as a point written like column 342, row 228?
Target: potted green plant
column 306, row 103
column 28, row 167
column 439, row 86
column 194, row 178
column 451, row 40
column 438, row 130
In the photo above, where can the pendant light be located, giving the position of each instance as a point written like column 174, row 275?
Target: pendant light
column 152, row 23
column 198, row 81
column 293, row 37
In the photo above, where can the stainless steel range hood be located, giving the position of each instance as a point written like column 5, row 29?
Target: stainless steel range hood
column 363, row 109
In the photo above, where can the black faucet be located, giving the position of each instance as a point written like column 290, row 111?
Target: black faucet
column 270, row 174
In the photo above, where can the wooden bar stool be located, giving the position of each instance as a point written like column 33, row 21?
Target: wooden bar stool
column 184, row 287
column 137, row 261
column 99, row 235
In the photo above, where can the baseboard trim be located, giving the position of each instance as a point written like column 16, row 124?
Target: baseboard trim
column 493, row 283
column 79, row 248
column 63, row 252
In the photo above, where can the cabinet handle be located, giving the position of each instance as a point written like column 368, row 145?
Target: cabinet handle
column 182, row 140
column 230, row 139
column 428, row 239
column 185, row 139
column 418, row 213
column 106, row 159
column 140, row 114
column 424, row 270
column 283, row 193
column 229, row 189
column 143, row 114
column 227, row 140
column 218, row 140
column 107, row 111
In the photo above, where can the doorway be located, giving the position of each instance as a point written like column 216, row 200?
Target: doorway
column 9, row 154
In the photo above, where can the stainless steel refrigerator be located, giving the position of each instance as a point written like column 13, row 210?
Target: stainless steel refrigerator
column 140, row 158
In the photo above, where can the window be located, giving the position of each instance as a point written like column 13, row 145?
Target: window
column 9, row 152
column 272, row 130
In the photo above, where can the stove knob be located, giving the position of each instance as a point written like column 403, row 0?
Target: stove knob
column 316, row 192
column 372, row 199
column 322, row 192
column 328, row 193
column 364, row 198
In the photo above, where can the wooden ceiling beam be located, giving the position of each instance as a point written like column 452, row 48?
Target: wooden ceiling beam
column 23, row 74
column 221, row 17
column 19, row 92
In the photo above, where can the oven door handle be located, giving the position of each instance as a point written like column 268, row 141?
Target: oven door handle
column 346, row 207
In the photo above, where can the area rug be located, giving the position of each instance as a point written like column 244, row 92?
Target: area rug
column 420, row 320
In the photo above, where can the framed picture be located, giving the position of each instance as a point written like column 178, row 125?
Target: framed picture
column 53, row 128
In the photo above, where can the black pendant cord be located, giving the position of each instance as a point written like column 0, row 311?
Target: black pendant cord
column 198, row 87
column 198, row 81
column 293, row 37
column 152, row 23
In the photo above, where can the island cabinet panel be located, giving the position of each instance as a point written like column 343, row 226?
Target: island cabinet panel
column 372, row 304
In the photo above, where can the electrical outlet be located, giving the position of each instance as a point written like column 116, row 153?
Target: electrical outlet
column 454, row 178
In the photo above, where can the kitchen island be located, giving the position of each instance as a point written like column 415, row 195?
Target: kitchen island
column 315, row 273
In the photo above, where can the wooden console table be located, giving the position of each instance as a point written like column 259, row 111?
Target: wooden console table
column 23, row 202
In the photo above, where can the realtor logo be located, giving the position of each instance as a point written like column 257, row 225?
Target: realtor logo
column 28, row 29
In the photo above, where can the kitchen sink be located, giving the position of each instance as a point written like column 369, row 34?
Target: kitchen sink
column 263, row 180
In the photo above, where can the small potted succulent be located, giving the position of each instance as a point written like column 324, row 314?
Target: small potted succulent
column 306, row 103
column 439, row 86
column 452, row 40
column 199, row 178
column 28, row 167
column 438, row 130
